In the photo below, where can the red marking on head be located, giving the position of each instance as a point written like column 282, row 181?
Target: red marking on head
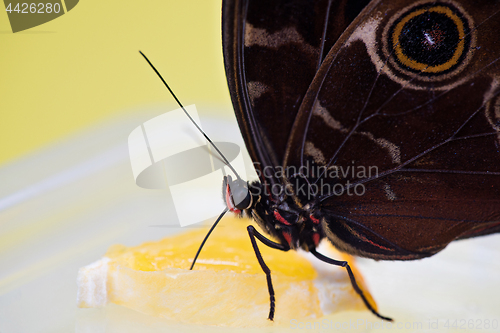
column 288, row 237
column 316, row 238
column 280, row 218
column 315, row 220
column 229, row 201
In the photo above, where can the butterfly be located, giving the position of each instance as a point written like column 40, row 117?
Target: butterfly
column 372, row 124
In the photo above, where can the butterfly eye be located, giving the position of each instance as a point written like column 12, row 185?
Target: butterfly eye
column 430, row 40
column 236, row 194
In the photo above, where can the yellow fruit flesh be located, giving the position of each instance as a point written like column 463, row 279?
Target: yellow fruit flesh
column 227, row 286
column 228, row 247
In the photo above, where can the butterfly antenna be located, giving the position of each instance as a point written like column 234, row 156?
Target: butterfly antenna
column 192, row 120
column 206, row 237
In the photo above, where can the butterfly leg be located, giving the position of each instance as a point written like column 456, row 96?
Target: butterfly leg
column 255, row 234
column 352, row 278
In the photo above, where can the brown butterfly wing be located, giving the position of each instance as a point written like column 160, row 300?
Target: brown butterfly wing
column 434, row 138
column 272, row 51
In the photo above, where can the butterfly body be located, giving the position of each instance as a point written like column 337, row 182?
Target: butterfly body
column 374, row 124
column 278, row 216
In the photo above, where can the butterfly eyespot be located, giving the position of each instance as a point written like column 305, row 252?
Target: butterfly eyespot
column 432, row 40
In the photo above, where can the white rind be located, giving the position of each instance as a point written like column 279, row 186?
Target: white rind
column 334, row 288
column 91, row 282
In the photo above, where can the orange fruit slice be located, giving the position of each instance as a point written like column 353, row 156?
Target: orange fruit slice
column 227, row 286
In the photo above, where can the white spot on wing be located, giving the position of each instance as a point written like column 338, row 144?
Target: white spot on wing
column 322, row 112
column 255, row 90
column 315, row 153
column 392, row 149
column 366, row 33
column 389, row 193
column 429, row 38
column 260, row 37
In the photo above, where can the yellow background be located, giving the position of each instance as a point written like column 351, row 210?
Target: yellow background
column 83, row 67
